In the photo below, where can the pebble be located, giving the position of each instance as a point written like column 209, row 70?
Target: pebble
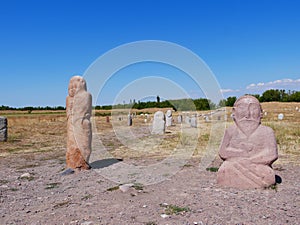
column 164, row 216
column 25, row 175
column 125, row 187
column 87, row 223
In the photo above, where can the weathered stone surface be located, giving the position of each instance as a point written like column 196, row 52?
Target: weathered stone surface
column 129, row 120
column 158, row 126
column 194, row 121
column 248, row 148
column 179, row 119
column 206, row 119
column 187, row 120
column 79, row 132
column 169, row 118
column 3, row 128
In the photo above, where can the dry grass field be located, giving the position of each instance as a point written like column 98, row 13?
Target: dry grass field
column 37, row 144
column 45, row 133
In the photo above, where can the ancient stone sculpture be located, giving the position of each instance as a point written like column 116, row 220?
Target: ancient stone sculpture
column 129, row 120
column 79, row 132
column 194, row 121
column 3, row 128
column 248, row 148
column 179, row 119
column 158, row 126
column 169, row 118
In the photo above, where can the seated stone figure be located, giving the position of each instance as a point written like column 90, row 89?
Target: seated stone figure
column 248, row 148
column 79, row 132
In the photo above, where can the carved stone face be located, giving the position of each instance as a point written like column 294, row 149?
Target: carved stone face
column 247, row 114
column 76, row 84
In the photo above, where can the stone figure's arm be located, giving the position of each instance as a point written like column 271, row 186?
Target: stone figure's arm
column 269, row 153
column 88, row 107
column 226, row 151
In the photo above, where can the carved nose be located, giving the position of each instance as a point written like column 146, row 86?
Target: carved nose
column 247, row 116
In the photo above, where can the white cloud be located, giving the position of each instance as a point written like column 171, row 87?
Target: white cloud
column 229, row 90
column 250, row 86
column 278, row 84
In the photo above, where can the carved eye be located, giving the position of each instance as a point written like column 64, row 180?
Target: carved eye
column 255, row 110
column 241, row 111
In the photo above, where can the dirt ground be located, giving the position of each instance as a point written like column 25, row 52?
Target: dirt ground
column 33, row 189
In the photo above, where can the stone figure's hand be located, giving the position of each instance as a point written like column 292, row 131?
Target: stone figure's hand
column 247, row 146
column 87, row 116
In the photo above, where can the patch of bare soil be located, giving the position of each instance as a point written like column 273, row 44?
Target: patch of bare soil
column 34, row 191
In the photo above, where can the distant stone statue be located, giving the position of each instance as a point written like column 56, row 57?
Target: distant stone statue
column 179, row 119
column 248, row 148
column 193, row 121
column 158, row 126
column 188, row 120
column 169, row 118
column 129, row 120
column 280, row 116
column 3, row 128
column 79, row 132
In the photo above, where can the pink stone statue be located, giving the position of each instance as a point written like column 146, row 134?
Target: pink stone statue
column 79, row 132
column 248, row 148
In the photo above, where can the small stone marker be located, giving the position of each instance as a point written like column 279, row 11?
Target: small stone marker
column 194, row 121
column 280, row 116
column 248, row 148
column 129, row 120
column 169, row 118
column 158, row 126
column 206, row 119
column 3, row 128
column 187, row 120
column 297, row 108
column 179, row 119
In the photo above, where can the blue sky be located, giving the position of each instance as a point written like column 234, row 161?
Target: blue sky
column 249, row 45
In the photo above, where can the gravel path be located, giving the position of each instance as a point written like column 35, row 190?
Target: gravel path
column 191, row 196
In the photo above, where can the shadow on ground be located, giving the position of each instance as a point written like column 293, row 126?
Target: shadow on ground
column 104, row 163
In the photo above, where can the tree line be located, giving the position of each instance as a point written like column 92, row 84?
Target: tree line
column 272, row 95
column 178, row 104
column 182, row 104
column 31, row 108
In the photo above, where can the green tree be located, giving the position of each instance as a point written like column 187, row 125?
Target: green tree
column 295, row 97
column 271, row 95
column 230, row 101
